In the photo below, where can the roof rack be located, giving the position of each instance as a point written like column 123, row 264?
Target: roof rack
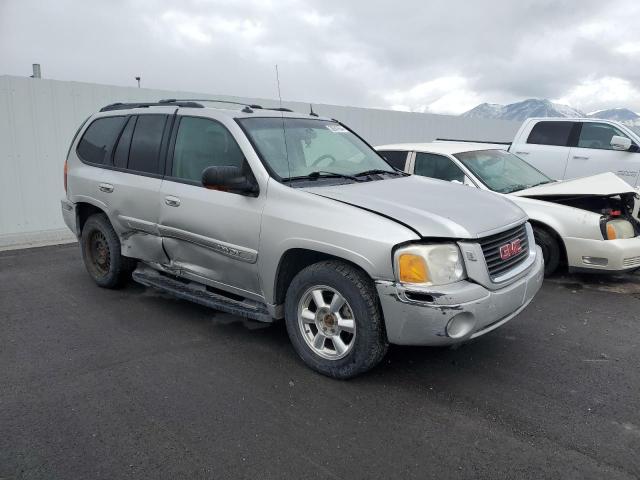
column 125, row 106
column 248, row 107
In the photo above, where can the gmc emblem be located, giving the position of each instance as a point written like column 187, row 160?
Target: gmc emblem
column 510, row 249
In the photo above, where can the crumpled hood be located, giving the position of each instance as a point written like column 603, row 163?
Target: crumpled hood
column 603, row 184
column 434, row 208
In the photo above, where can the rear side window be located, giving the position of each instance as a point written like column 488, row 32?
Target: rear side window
column 395, row 158
column 551, row 133
column 121, row 154
column 202, row 143
column 144, row 153
column 437, row 166
column 98, row 139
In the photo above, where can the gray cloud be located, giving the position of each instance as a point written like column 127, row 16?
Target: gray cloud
column 437, row 55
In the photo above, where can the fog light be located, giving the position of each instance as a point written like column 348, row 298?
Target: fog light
column 461, row 325
column 599, row 261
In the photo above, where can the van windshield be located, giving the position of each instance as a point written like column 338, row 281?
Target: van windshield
column 299, row 148
column 502, row 171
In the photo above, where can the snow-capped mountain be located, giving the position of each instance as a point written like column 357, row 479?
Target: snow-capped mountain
column 617, row 114
column 532, row 107
column 544, row 108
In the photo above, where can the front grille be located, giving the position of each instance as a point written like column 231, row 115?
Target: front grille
column 491, row 250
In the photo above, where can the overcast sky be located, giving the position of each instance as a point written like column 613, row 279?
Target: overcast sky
column 439, row 56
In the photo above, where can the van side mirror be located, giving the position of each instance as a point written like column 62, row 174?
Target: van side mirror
column 620, row 143
column 229, row 179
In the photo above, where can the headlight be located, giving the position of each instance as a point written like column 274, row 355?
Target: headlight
column 618, row 228
column 436, row 264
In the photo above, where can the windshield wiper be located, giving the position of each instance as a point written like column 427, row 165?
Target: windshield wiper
column 377, row 171
column 322, row 174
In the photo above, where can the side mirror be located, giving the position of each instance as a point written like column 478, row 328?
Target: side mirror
column 229, row 179
column 620, row 143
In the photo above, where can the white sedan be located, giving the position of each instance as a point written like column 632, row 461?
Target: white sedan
column 588, row 224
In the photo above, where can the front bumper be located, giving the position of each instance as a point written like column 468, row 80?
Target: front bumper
column 422, row 317
column 617, row 255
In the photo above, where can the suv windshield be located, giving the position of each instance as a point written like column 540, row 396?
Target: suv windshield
column 502, row 171
column 299, row 148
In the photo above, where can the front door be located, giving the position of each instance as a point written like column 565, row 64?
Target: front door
column 593, row 154
column 209, row 235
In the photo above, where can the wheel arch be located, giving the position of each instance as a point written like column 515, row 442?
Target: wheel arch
column 295, row 259
column 554, row 233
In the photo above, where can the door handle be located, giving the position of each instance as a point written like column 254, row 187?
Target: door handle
column 172, row 201
column 105, row 187
column 522, row 153
column 578, row 157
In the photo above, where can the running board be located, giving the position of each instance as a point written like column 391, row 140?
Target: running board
column 198, row 293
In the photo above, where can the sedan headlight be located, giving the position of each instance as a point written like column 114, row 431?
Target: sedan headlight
column 618, row 228
column 436, row 264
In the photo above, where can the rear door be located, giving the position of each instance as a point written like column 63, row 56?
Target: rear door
column 593, row 154
column 131, row 186
column 548, row 146
column 209, row 235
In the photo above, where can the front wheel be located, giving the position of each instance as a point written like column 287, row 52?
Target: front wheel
column 550, row 249
column 334, row 320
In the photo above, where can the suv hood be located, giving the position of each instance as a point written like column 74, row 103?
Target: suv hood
column 603, row 184
column 434, row 208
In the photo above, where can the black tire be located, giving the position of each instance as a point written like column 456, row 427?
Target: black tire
column 369, row 341
column 100, row 247
column 550, row 249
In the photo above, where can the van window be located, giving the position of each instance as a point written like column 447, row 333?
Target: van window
column 202, row 143
column 395, row 158
column 597, row 135
column 144, row 154
column 99, row 138
column 437, row 166
column 551, row 133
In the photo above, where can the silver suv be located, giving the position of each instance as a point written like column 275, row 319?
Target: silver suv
column 271, row 214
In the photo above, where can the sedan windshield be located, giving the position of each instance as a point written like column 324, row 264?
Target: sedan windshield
column 299, row 148
column 502, row 171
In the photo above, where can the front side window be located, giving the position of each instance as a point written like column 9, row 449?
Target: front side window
column 395, row 158
column 502, row 171
column 99, row 138
column 202, row 143
column 551, row 133
column 297, row 147
column 144, row 153
column 437, row 166
column 598, row 135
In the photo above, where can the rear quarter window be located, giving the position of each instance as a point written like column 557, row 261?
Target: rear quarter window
column 98, row 139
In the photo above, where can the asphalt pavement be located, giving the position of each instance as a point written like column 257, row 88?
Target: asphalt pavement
column 132, row 383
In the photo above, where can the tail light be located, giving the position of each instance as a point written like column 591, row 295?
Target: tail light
column 66, row 171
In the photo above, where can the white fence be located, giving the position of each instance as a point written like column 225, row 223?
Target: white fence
column 39, row 117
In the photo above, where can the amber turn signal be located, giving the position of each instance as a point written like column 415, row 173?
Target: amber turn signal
column 412, row 269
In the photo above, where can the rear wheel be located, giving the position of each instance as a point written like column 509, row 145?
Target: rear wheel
column 100, row 247
column 334, row 320
column 550, row 249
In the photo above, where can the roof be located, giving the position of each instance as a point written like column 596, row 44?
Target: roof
column 448, row 148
